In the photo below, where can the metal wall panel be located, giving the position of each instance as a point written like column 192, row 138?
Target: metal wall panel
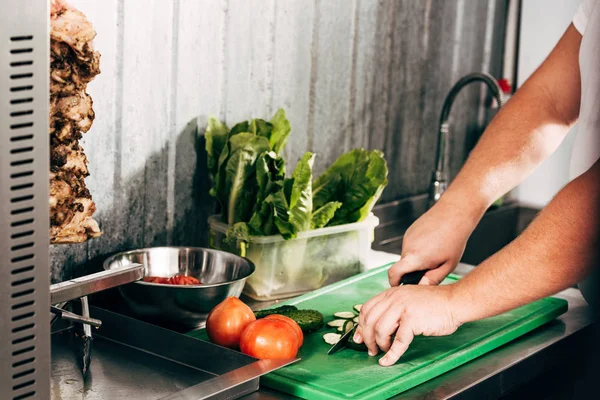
column 24, row 168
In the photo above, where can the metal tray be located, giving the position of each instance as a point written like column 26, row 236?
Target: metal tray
column 132, row 359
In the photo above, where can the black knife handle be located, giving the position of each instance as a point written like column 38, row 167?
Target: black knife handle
column 412, row 278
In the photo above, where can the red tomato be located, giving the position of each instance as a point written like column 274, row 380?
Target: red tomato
column 174, row 280
column 227, row 321
column 183, row 280
column 292, row 323
column 269, row 339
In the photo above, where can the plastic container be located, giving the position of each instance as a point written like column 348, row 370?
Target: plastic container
column 287, row 268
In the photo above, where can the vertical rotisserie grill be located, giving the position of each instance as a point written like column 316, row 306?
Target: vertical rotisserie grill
column 73, row 64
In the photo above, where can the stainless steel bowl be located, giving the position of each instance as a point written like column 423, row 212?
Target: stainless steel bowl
column 221, row 274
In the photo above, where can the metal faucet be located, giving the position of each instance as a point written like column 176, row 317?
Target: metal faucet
column 439, row 181
column 79, row 288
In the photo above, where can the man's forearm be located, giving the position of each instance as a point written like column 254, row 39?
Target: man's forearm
column 524, row 133
column 554, row 252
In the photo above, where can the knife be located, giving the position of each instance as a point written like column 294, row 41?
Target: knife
column 341, row 343
column 412, row 278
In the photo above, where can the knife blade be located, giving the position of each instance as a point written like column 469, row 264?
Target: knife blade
column 341, row 343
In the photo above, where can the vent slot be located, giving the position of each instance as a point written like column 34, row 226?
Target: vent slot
column 22, row 246
column 23, row 362
column 23, row 281
column 21, row 211
column 22, row 270
column 21, row 162
column 21, row 174
column 23, row 339
column 21, row 101
column 21, row 113
column 21, row 150
column 21, row 126
column 21, row 51
column 21, row 88
column 19, row 138
column 23, row 305
column 22, row 222
column 24, row 396
column 20, row 63
column 23, row 316
column 19, row 235
column 22, row 76
column 21, row 258
column 22, row 328
column 24, row 373
column 22, row 198
column 23, row 385
column 23, row 351
column 22, row 293
column 21, row 187
column 20, row 38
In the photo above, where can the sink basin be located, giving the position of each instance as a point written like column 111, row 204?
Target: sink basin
column 131, row 359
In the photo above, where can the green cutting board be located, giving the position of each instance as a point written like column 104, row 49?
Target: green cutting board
column 349, row 374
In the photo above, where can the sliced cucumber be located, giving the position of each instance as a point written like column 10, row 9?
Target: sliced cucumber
column 344, row 314
column 355, row 320
column 348, row 326
column 332, row 338
column 357, row 307
column 336, row 323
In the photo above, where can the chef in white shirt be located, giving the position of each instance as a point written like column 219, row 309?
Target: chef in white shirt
column 559, row 248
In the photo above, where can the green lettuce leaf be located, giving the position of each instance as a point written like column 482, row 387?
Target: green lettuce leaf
column 237, row 232
column 281, row 215
column 292, row 204
column 239, row 128
column 356, row 179
column 270, row 174
column 281, row 131
column 237, row 192
column 216, row 138
column 261, row 127
column 301, row 199
column 323, row 215
column 262, row 222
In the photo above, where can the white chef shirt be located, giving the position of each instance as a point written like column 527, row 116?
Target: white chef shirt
column 586, row 149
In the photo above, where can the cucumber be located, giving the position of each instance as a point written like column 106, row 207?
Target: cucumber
column 356, row 346
column 348, row 326
column 357, row 307
column 336, row 323
column 332, row 338
column 355, row 320
column 308, row 320
column 283, row 310
column 344, row 314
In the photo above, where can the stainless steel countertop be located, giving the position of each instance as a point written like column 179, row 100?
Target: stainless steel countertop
column 506, row 368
